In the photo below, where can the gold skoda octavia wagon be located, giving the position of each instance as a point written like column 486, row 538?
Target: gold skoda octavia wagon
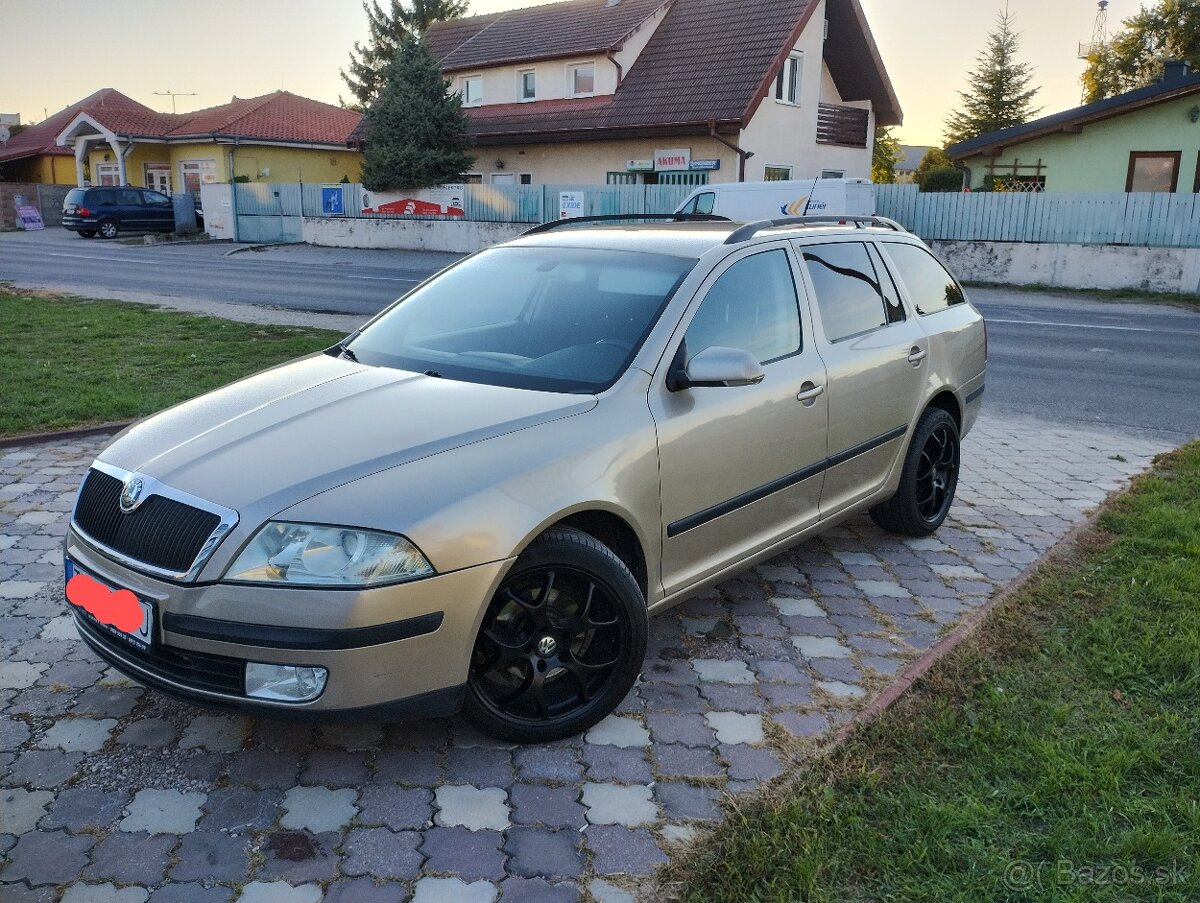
column 476, row 500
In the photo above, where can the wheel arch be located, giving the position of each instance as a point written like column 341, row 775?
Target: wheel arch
column 612, row 528
column 948, row 402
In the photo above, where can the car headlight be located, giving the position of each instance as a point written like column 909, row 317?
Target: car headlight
column 319, row 555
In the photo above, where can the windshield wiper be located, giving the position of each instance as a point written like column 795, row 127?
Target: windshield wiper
column 342, row 349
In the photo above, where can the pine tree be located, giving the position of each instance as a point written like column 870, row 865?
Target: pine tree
column 416, row 129
column 999, row 94
column 885, row 156
column 386, row 30
column 1134, row 56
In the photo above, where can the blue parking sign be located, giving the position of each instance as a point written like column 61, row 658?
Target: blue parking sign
column 331, row 200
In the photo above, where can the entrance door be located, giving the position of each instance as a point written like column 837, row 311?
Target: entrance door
column 108, row 174
column 158, row 177
column 741, row 467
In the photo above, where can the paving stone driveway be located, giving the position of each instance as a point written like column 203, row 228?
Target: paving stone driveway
column 112, row 794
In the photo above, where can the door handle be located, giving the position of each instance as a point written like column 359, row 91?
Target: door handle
column 917, row 355
column 809, row 392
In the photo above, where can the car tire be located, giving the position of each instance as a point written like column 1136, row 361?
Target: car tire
column 108, row 228
column 87, row 233
column 561, row 643
column 928, row 480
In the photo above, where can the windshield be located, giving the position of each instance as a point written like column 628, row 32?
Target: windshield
column 555, row 319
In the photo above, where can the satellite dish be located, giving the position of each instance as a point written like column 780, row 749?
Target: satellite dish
column 4, row 134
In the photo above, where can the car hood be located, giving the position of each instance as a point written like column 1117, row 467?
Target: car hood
column 277, row 438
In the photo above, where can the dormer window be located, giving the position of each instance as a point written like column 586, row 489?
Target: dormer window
column 583, row 80
column 527, row 85
column 787, row 83
column 472, row 90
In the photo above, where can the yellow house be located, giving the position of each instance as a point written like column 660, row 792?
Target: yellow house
column 111, row 139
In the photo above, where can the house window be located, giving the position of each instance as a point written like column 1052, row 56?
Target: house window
column 787, row 83
column 472, row 90
column 622, row 178
column 527, row 84
column 194, row 173
column 158, row 177
column 473, row 178
column 777, row 173
column 583, row 80
column 833, row 173
column 1196, row 187
column 526, row 178
column 682, row 178
column 1153, row 171
column 108, row 174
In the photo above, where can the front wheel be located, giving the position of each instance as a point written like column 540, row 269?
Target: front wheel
column 108, row 229
column 928, row 481
column 561, row 643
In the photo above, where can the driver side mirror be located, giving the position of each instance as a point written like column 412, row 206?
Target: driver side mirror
column 718, row 367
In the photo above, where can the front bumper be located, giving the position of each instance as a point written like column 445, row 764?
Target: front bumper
column 392, row 652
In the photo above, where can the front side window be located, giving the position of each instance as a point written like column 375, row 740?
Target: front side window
column 847, row 289
column 552, row 319
column 528, row 83
column 154, row 199
column 787, row 83
column 472, row 90
column 752, row 307
column 1153, row 171
column 583, row 80
column 929, row 285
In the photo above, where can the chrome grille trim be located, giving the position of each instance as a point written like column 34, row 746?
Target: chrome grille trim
column 227, row 520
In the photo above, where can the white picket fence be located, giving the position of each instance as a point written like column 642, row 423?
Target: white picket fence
column 1147, row 220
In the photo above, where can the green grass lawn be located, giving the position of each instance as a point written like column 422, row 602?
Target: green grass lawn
column 68, row 362
column 1055, row 756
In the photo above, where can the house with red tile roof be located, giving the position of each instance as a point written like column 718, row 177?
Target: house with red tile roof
column 109, row 138
column 668, row 91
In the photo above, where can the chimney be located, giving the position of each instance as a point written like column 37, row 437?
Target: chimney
column 1175, row 70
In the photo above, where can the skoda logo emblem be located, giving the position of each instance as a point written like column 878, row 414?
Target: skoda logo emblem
column 546, row 646
column 131, row 494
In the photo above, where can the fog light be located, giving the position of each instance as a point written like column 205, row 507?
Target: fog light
column 284, row 683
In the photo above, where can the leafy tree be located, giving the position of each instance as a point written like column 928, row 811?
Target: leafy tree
column 416, row 130
column 387, row 30
column 1134, row 57
column 999, row 94
column 936, row 172
column 885, row 156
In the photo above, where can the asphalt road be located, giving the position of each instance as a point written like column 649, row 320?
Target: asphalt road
column 1117, row 366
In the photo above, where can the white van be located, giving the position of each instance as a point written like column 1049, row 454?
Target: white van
column 749, row 201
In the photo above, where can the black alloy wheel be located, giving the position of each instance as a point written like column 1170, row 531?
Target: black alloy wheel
column 928, row 480
column 937, row 474
column 561, row 642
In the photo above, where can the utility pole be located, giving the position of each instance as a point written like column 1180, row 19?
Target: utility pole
column 174, row 94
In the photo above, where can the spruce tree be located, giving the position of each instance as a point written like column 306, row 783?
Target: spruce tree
column 999, row 94
column 386, row 30
column 416, row 130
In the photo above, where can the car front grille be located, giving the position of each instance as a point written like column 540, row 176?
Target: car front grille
column 193, row 670
column 162, row 532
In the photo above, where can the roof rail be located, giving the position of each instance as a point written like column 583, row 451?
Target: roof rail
column 622, row 217
column 748, row 231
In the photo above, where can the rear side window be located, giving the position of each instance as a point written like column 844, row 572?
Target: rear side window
column 848, row 291
column 75, row 196
column 753, row 307
column 929, row 285
column 101, row 197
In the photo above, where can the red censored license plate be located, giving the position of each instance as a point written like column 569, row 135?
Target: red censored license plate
column 118, row 611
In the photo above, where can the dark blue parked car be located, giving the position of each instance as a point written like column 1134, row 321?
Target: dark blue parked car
column 108, row 211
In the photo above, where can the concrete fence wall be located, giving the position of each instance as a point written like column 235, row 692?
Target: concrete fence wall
column 1074, row 266
column 46, row 198
column 455, row 236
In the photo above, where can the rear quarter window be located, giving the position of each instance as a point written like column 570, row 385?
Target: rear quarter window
column 929, row 284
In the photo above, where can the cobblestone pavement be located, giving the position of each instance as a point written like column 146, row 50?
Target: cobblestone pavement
column 112, row 794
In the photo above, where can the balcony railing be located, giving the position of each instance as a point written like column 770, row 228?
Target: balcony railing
column 846, row 126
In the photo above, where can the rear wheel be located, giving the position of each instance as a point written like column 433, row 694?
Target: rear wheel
column 108, row 229
column 561, row 642
column 928, row 481
column 87, row 233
